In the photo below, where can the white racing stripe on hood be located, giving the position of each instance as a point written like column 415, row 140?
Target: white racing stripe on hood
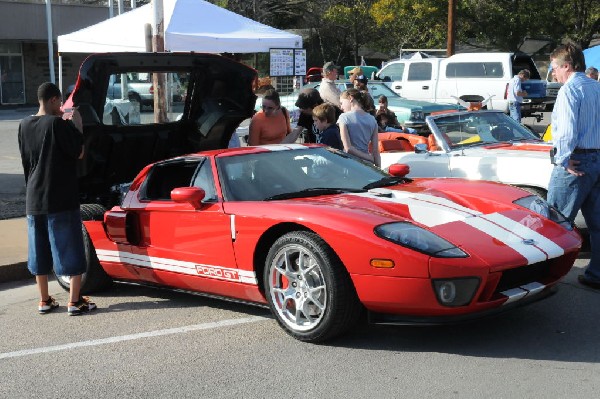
column 428, row 210
column 431, row 210
column 530, row 252
column 552, row 249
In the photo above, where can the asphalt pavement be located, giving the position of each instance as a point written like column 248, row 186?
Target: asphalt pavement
column 13, row 225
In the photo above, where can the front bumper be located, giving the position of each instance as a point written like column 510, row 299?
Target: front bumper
column 516, row 298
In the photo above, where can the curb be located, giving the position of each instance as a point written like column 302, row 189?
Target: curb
column 14, row 272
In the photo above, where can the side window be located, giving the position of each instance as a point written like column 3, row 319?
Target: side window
column 130, row 97
column 474, row 70
column 392, row 72
column 163, row 178
column 419, row 71
column 204, row 180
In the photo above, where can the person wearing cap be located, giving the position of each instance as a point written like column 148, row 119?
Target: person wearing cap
column 328, row 90
column 360, row 84
column 516, row 93
column 355, row 73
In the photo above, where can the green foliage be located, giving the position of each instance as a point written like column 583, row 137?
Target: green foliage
column 411, row 23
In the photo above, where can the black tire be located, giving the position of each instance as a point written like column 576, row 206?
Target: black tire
column 316, row 281
column 95, row 278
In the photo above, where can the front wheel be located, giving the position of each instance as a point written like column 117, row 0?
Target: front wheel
column 308, row 289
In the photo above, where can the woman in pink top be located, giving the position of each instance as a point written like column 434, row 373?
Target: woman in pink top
column 271, row 124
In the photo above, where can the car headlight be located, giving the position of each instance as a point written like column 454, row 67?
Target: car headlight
column 538, row 205
column 417, row 238
column 417, row 115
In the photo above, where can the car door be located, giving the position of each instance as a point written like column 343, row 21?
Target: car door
column 178, row 237
column 419, row 83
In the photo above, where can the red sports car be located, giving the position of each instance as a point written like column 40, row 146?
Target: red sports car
column 320, row 237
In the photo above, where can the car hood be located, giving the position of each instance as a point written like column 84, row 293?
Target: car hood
column 456, row 210
column 425, row 106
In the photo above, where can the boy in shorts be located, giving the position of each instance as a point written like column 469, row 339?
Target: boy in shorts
column 50, row 147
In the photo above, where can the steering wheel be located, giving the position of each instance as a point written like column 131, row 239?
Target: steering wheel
column 502, row 133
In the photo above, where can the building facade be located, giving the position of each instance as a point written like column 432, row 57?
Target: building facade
column 24, row 57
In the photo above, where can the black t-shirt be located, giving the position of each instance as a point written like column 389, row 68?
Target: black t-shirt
column 50, row 147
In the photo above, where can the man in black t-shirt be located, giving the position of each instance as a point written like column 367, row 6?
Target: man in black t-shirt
column 50, row 144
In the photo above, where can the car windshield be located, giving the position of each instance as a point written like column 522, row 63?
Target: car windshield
column 302, row 172
column 476, row 128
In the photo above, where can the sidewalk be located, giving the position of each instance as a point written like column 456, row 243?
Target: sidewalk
column 13, row 250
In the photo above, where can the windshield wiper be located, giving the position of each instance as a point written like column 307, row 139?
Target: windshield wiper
column 385, row 182
column 313, row 192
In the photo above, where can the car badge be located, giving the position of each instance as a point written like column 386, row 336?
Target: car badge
column 529, row 241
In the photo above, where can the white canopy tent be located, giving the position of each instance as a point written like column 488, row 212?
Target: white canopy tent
column 190, row 25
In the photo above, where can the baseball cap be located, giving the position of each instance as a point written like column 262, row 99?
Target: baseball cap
column 308, row 98
column 362, row 79
column 330, row 66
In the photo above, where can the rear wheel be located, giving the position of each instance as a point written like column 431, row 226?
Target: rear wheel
column 95, row 278
column 308, row 289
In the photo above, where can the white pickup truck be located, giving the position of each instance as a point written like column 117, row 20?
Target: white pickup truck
column 468, row 76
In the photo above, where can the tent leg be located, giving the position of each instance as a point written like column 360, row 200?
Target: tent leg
column 60, row 75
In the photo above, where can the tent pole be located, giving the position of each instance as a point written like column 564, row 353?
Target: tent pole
column 60, row 77
column 158, row 45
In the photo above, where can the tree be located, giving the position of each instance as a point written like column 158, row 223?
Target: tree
column 352, row 24
column 412, row 23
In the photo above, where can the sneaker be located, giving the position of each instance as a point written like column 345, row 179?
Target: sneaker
column 83, row 305
column 47, row 306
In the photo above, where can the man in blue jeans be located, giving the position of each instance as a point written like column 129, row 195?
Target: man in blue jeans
column 575, row 180
column 50, row 145
column 516, row 94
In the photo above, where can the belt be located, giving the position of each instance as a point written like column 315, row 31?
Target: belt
column 585, row 150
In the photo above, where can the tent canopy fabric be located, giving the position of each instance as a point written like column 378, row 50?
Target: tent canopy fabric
column 190, row 25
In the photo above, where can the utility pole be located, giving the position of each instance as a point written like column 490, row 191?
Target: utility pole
column 158, row 46
column 50, row 40
column 451, row 27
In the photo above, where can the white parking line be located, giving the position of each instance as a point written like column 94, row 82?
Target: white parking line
column 131, row 337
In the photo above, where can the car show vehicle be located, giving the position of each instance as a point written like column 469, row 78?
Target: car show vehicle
column 467, row 76
column 478, row 145
column 321, row 237
column 410, row 113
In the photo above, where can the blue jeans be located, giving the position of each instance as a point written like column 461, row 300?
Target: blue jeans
column 570, row 193
column 56, row 241
column 515, row 110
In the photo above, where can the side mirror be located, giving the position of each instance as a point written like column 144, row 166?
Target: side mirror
column 191, row 195
column 399, row 169
column 420, row 148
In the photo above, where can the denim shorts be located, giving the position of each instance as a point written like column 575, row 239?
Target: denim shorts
column 56, row 242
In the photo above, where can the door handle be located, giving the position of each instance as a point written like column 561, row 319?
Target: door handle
column 425, row 87
column 397, row 87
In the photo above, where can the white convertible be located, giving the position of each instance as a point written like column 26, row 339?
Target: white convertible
column 477, row 145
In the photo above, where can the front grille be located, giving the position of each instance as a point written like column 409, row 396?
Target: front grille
column 519, row 276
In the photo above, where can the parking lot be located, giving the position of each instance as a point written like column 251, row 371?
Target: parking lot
column 146, row 342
